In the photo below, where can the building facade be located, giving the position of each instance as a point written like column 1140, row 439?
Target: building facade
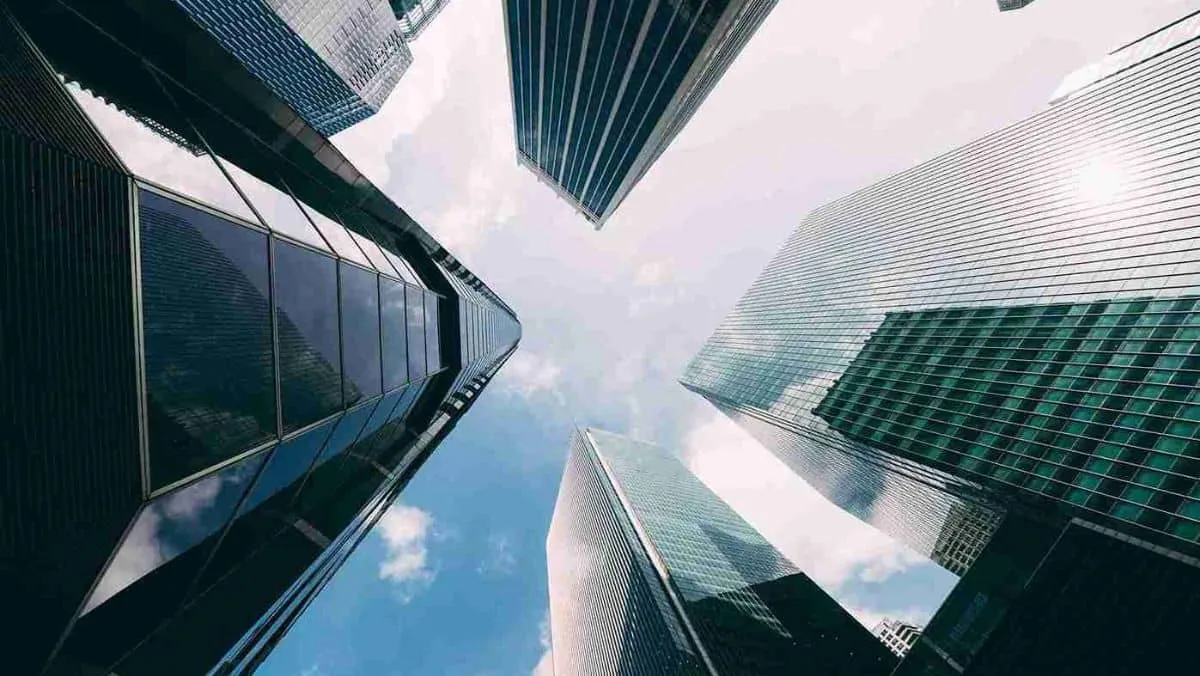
column 897, row 635
column 335, row 62
column 967, row 531
column 651, row 573
column 250, row 366
column 599, row 91
column 1009, row 5
column 415, row 15
column 1012, row 323
column 1074, row 599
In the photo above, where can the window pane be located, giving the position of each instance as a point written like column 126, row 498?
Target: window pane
column 433, row 356
column 209, row 352
column 337, row 236
column 401, row 265
column 175, row 523
column 160, row 161
column 416, row 333
column 306, row 301
column 395, row 332
column 360, row 334
column 287, row 465
column 347, row 431
column 371, row 249
column 277, row 208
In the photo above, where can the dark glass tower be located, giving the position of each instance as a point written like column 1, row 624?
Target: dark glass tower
column 1013, row 323
column 216, row 378
column 1045, row 600
column 601, row 89
column 332, row 61
column 651, row 573
column 1009, row 5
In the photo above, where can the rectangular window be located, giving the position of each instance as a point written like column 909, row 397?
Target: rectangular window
column 363, row 376
column 306, row 309
column 416, row 333
column 395, row 333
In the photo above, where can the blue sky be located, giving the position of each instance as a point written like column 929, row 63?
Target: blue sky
column 826, row 98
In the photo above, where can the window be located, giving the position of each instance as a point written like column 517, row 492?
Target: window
column 287, row 465
column 209, row 350
column 416, row 333
column 395, row 333
column 306, row 302
column 433, row 353
column 362, row 373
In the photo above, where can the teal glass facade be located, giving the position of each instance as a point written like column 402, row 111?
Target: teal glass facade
column 651, row 573
column 1008, row 324
column 600, row 89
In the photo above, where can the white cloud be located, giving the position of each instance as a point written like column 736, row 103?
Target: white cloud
column 545, row 665
column 653, row 273
column 828, row 544
column 527, row 374
column 500, row 560
column 404, row 530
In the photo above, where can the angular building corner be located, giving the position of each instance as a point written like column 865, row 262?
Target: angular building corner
column 416, row 15
column 600, row 90
column 651, row 573
column 223, row 359
column 1012, row 327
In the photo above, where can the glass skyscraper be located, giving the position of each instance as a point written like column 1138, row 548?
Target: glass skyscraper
column 1010, row 326
column 415, row 15
column 217, row 377
column 651, row 573
column 600, row 89
column 332, row 61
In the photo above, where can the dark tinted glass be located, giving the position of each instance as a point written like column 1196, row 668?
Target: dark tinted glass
column 360, row 333
column 347, row 431
column 175, row 523
column 310, row 380
column 433, row 355
column 209, row 371
column 395, row 339
column 416, row 333
column 287, row 465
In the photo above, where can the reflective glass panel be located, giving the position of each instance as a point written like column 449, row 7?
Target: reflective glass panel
column 360, row 334
column 402, row 267
column 277, row 208
column 347, row 431
column 371, row 249
column 173, row 524
column 416, row 333
column 287, row 465
column 337, row 236
column 395, row 334
column 433, row 353
column 209, row 351
column 158, row 160
column 306, row 299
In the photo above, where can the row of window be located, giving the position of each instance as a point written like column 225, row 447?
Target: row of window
column 247, row 335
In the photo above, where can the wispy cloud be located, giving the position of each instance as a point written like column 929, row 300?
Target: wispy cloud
column 545, row 665
column 500, row 559
column 405, row 530
column 528, row 374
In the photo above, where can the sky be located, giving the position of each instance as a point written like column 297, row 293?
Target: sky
column 825, row 99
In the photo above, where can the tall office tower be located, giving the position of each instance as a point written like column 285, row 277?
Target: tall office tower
column 1047, row 600
column 600, row 90
column 967, row 531
column 332, row 61
column 415, row 15
column 219, row 368
column 897, row 635
column 1014, row 322
column 1009, row 5
column 652, row 573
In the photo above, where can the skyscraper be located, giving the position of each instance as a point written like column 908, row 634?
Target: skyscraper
column 222, row 361
column 1009, row 5
column 897, row 635
column 415, row 15
column 1049, row 600
column 600, row 90
column 332, row 61
column 652, row 573
column 1011, row 324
